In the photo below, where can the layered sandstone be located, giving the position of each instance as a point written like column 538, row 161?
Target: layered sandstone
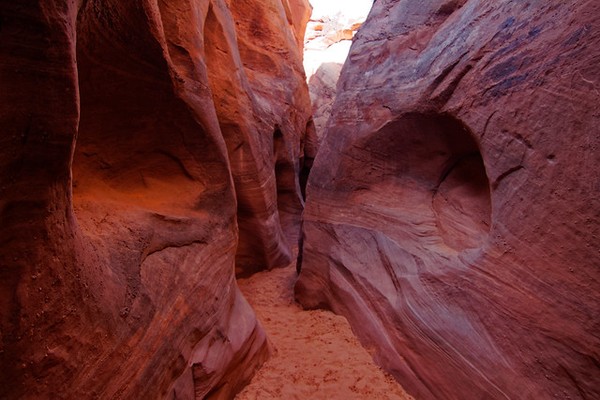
column 452, row 212
column 138, row 137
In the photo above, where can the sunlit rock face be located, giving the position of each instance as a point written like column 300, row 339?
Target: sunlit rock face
column 329, row 34
column 149, row 148
column 452, row 212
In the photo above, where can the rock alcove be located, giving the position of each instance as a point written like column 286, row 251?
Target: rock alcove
column 430, row 162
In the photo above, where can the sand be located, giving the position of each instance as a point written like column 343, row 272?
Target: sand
column 316, row 355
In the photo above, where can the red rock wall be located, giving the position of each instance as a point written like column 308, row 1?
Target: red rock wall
column 452, row 212
column 256, row 71
column 137, row 137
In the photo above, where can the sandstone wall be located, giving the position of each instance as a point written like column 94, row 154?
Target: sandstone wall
column 452, row 212
column 137, row 138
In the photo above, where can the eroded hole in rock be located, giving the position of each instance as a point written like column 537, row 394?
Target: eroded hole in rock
column 431, row 162
column 136, row 141
column 462, row 203
column 145, row 172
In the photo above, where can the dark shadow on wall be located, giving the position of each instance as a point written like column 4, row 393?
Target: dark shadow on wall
column 438, row 156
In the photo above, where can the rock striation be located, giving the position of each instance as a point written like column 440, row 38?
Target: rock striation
column 452, row 211
column 150, row 150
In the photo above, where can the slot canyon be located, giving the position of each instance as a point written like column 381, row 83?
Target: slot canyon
column 268, row 199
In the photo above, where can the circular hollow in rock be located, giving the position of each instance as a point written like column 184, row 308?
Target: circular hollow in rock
column 429, row 157
column 462, row 204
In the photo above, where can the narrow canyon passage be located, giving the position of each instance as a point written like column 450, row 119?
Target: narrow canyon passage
column 436, row 163
column 316, row 355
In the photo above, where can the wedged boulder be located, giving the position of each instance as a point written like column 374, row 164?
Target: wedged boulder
column 452, row 211
column 121, row 191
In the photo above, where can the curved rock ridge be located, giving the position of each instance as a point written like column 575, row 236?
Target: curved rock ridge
column 150, row 149
column 452, row 211
column 255, row 71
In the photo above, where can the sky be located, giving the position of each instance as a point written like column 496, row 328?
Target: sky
column 355, row 9
column 346, row 13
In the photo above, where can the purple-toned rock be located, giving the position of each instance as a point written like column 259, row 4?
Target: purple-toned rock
column 453, row 209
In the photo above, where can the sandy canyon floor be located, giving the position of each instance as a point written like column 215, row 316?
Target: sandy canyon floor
column 316, row 354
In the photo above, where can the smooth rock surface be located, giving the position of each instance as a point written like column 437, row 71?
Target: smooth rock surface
column 137, row 138
column 453, row 211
